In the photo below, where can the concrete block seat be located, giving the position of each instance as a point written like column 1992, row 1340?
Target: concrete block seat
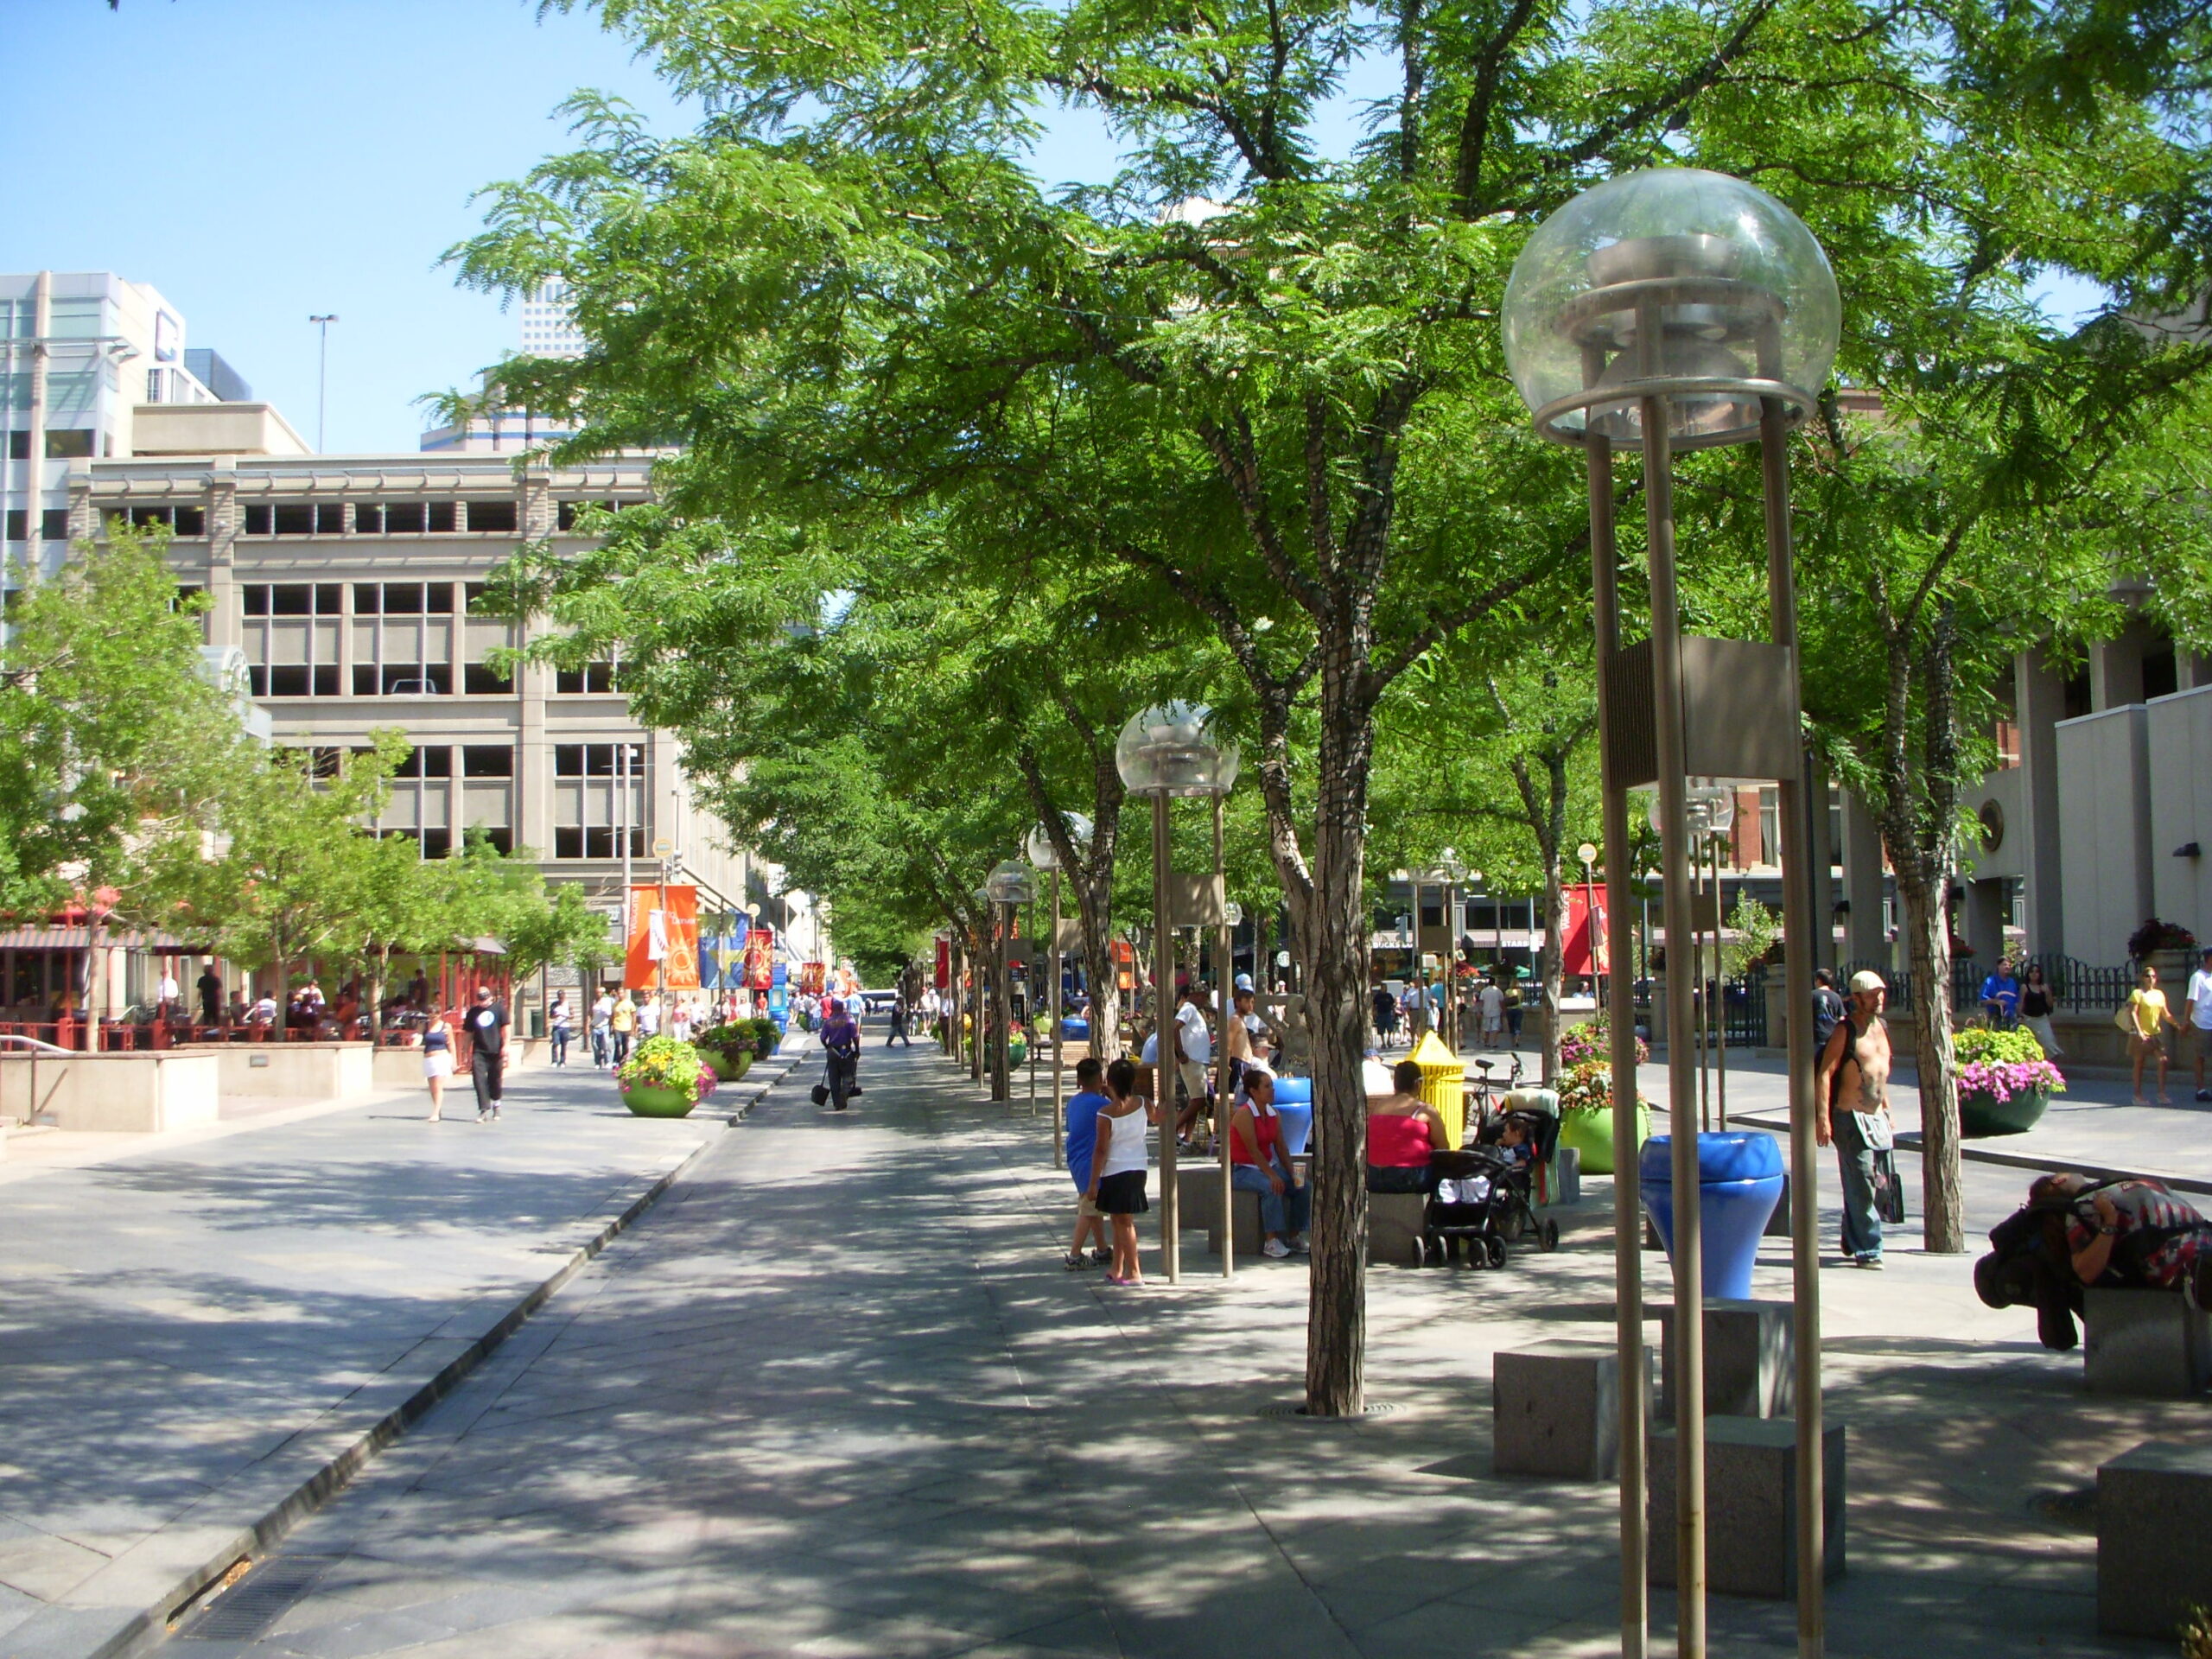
column 1750, row 1360
column 2148, row 1343
column 1750, row 1505
column 2154, row 1538
column 1555, row 1410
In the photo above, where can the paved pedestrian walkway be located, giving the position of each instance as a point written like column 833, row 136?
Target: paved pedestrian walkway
column 836, row 1396
column 190, row 1331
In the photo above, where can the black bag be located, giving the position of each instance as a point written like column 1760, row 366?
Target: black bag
column 819, row 1094
column 853, row 1089
column 1889, row 1190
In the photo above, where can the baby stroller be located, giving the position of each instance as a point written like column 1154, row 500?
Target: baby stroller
column 1478, row 1196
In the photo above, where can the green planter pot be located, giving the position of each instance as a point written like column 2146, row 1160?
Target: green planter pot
column 1985, row 1115
column 1591, row 1133
column 729, row 1070
column 1017, row 1052
column 649, row 1102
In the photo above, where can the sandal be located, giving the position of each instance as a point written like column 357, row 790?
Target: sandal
column 1075, row 1263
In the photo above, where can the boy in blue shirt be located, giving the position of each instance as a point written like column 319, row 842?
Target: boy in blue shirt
column 1082, row 1138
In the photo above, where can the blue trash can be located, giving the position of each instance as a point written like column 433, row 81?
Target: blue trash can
column 1295, row 1106
column 1739, row 1182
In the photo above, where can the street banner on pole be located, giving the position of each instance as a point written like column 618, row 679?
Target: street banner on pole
column 760, row 958
column 662, row 940
column 1585, row 924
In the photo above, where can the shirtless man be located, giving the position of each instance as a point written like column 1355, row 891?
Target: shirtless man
column 1855, row 1080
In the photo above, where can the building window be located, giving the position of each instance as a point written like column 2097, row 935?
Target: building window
column 496, row 516
column 483, row 680
column 405, row 519
column 592, row 677
column 402, row 599
column 179, row 521
column 434, row 762
column 19, row 444
column 71, row 444
column 18, row 521
column 589, row 811
column 443, row 516
column 291, row 637
column 486, row 760
column 54, row 524
column 567, row 513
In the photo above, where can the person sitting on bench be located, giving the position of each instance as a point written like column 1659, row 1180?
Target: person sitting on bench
column 1402, row 1129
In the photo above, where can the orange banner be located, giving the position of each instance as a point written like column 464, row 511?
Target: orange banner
column 662, row 940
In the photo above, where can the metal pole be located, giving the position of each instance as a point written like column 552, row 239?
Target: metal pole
column 622, row 785
column 1701, row 999
column 1628, row 1212
column 1682, row 1092
column 1002, row 1006
column 1798, row 923
column 1029, row 1000
column 322, row 375
column 1223, row 980
column 1165, row 1070
column 1060, row 1112
column 1721, row 991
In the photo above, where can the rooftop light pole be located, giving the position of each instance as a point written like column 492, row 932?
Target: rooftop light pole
column 1684, row 309
column 322, row 372
column 1169, row 750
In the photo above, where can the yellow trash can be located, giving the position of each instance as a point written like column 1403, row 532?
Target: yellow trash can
column 1443, row 1082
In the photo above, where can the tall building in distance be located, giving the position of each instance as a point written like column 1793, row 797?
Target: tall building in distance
column 93, row 366
column 547, row 330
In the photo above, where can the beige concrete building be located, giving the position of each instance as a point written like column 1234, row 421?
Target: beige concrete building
column 349, row 584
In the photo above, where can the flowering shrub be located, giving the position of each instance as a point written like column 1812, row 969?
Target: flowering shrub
column 729, row 1039
column 2003, row 1063
column 2155, row 935
column 1589, row 1087
column 668, row 1062
column 1593, row 1041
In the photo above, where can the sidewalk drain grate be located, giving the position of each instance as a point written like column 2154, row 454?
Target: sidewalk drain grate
column 258, row 1601
column 1372, row 1409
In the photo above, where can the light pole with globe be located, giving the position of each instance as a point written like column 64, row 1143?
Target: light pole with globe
column 1045, row 854
column 1170, row 750
column 1009, row 885
column 1678, row 309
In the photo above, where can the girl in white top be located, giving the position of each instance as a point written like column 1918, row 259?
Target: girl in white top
column 1119, row 1163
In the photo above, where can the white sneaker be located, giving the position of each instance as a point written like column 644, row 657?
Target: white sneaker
column 1275, row 1248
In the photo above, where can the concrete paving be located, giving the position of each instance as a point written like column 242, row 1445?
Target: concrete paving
column 836, row 1396
column 195, row 1333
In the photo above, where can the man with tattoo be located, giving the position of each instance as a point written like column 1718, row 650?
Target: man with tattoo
column 1855, row 1084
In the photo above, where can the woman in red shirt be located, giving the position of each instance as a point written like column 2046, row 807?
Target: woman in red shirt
column 1258, row 1163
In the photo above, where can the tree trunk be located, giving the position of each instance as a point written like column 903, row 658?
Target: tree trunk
column 1928, row 939
column 1337, row 930
column 1554, row 975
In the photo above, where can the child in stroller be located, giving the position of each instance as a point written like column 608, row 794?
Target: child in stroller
column 1479, row 1195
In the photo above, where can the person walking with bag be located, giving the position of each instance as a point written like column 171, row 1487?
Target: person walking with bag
column 2145, row 1018
column 560, row 1023
column 1854, row 1085
column 840, row 1044
column 2036, row 1009
column 487, row 1053
column 602, row 1012
column 621, row 1022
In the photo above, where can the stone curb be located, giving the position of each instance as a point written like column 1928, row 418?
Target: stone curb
column 163, row 1573
column 1910, row 1141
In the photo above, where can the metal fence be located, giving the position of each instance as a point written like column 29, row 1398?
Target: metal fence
column 1743, row 1010
column 2076, row 987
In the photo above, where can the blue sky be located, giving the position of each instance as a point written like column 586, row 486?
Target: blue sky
column 258, row 161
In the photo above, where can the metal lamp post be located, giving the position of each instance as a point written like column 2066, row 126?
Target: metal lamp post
column 1684, row 309
column 978, row 973
column 1010, row 883
column 1169, row 750
column 1586, row 856
column 1450, row 871
column 1044, row 854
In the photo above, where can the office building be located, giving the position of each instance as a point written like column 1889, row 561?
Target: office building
column 546, row 329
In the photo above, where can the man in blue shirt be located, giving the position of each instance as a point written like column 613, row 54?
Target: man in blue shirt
column 2000, row 996
column 1082, row 1138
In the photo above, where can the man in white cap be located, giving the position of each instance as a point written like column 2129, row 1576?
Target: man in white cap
column 1855, row 1113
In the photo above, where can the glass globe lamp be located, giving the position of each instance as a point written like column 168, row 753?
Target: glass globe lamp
column 1174, row 749
column 1039, row 848
column 1233, row 913
column 1711, row 804
column 1010, row 882
column 1673, row 282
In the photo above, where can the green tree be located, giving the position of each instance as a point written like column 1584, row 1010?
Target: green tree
column 1264, row 378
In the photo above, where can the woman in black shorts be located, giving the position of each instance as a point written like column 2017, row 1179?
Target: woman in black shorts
column 1119, row 1165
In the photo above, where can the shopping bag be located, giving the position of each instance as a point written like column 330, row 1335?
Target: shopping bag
column 1889, row 1188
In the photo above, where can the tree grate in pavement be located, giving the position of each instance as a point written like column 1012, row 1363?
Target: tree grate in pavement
column 256, row 1602
column 1299, row 1412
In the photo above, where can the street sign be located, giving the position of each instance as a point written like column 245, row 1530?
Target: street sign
column 663, row 847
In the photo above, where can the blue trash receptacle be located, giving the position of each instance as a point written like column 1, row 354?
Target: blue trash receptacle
column 1739, row 1182
column 1295, row 1106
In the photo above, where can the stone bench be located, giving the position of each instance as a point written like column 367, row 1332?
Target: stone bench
column 2145, row 1342
column 1750, row 1360
column 1555, row 1410
column 2154, row 1519
column 1750, row 1505
column 1394, row 1227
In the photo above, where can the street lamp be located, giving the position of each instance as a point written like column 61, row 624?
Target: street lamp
column 1169, row 750
column 1450, row 872
column 1684, row 309
column 1008, row 884
column 322, row 322
column 1586, row 856
column 1045, row 854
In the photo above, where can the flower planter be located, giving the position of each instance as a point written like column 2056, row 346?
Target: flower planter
column 1739, row 1182
column 728, row 1069
column 1591, row 1133
column 646, row 1100
column 1017, row 1052
column 1985, row 1115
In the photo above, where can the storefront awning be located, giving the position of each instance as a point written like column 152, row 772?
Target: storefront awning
column 76, row 938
